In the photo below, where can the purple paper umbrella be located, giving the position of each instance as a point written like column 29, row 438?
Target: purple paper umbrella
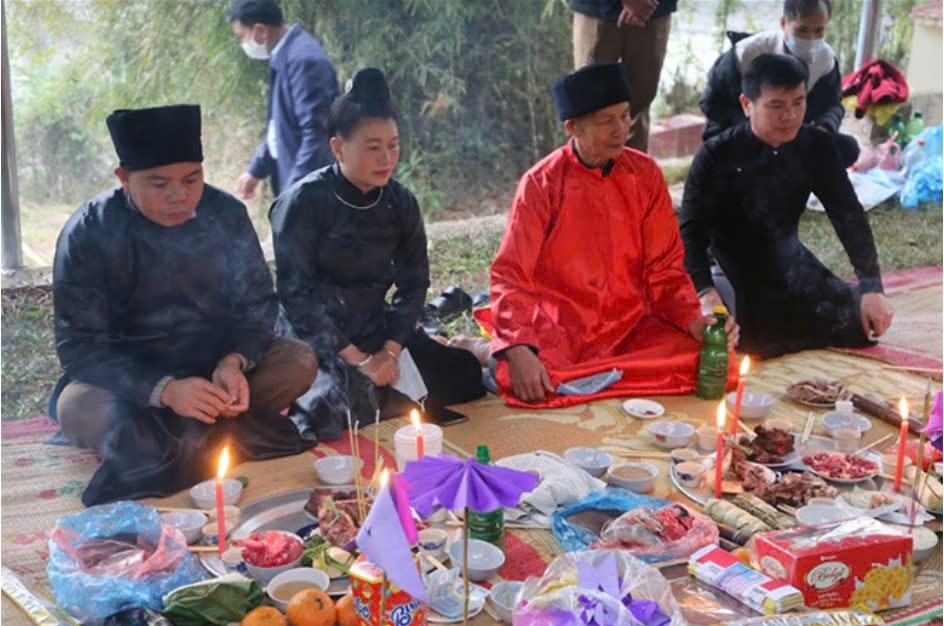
column 454, row 484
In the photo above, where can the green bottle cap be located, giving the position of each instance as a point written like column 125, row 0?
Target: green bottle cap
column 482, row 455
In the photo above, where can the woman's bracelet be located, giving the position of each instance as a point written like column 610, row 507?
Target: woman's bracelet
column 364, row 362
column 395, row 356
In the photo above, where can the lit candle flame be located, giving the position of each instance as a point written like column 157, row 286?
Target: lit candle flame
column 745, row 365
column 384, row 478
column 903, row 409
column 721, row 415
column 415, row 418
column 223, row 464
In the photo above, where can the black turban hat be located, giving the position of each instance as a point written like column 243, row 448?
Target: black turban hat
column 146, row 138
column 589, row 89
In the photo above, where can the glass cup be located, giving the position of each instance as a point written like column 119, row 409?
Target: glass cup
column 847, row 439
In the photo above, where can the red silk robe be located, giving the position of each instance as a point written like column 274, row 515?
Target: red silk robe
column 590, row 274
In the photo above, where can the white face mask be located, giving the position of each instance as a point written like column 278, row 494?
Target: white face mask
column 254, row 49
column 805, row 48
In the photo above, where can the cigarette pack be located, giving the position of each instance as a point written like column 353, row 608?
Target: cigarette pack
column 722, row 570
column 369, row 587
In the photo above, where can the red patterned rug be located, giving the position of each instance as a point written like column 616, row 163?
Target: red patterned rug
column 915, row 338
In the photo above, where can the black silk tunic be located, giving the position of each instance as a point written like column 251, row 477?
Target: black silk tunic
column 336, row 263
column 743, row 201
column 136, row 302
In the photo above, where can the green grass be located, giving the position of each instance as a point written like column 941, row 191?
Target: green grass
column 30, row 368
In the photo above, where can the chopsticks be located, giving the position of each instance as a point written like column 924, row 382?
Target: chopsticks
column 807, row 429
column 203, row 548
column 511, row 525
column 170, row 509
column 874, row 443
column 640, row 454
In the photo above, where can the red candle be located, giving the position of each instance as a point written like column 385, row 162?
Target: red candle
column 745, row 365
column 220, row 516
column 415, row 418
column 719, row 454
column 902, row 440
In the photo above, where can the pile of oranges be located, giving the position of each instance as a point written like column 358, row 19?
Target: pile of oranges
column 311, row 607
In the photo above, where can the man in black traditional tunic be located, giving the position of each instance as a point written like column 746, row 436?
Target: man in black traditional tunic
column 164, row 315
column 743, row 199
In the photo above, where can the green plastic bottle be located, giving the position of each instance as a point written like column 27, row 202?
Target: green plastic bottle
column 914, row 127
column 897, row 124
column 713, row 360
column 489, row 526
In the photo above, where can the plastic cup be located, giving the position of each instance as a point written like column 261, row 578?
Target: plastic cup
column 404, row 443
column 847, row 439
column 707, row 437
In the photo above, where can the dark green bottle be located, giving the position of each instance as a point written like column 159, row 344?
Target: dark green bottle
column 713, row 360
column 489, row 526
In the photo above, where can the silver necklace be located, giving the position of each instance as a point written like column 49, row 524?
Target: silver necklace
column 360, row 208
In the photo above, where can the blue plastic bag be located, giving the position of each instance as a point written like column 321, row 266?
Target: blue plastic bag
column 117, row 556
column 924, row 177
column 574, row 538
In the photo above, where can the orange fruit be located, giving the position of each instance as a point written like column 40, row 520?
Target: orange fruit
column 264, row 616
column 311, row 607
column 347, row 616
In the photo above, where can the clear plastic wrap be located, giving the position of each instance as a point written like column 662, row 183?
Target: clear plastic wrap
column 815, row 618
column 597, row 588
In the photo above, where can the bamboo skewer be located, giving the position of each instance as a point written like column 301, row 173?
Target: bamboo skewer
column 640, row 454
column 807, row 429
column 874, row 443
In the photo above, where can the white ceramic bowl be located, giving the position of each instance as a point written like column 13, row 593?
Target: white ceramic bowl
column 190, row 523
column 925, row 542
column 204, row 494
column 266, row 574
column 337, row 469
column 286, row 584
column 433, row 541
column 690, row 474
column 638, row 477
column 819, row 514
column 754, row 404
column 503, row 597
column 592, row 460
column 682, row 455
column 834, row 420
column 670, row 435
column 484, row 558
column 211, row 532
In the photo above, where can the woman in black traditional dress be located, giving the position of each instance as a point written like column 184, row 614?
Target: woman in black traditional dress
column 344, row 235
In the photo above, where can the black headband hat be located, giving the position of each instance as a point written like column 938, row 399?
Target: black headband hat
column 368, row 85
column 146, row 138
column 589, row 89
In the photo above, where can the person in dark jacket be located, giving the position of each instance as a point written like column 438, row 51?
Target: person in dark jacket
column 302, row 86
column 744, row 196
column 164, row 314
column 802, row 35
column 635, row 32
column 344, row 235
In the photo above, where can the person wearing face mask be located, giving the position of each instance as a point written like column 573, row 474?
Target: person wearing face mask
column 302, row 86
column 802, row 35
column 743, row 199
column 343, row 236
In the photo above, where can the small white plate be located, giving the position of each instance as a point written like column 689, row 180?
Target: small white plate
column 644, row 409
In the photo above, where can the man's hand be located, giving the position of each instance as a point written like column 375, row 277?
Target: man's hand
column 382, row 368
column 195, row 397
column 698, row 326
column 876, row 313
column 529, row 377
column 246, row 186
column 229, row 377
column 709, row 300
column 636, row 12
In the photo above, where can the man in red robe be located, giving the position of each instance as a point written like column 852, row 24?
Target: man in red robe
column 589, row 279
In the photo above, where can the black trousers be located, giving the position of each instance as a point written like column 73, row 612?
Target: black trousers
column 452, row 376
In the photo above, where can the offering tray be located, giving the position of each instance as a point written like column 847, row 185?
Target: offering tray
column 282, row 511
